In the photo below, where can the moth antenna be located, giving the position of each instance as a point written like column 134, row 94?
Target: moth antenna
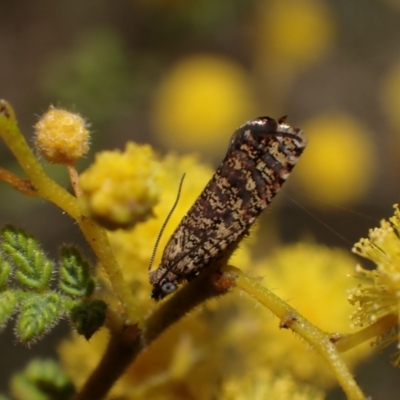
column 166, row 222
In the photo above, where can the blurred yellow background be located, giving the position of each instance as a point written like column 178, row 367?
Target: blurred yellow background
column 182, row 75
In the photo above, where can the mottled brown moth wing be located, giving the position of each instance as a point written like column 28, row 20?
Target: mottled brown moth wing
column 260, row 157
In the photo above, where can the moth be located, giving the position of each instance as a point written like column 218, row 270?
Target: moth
column 260, row 157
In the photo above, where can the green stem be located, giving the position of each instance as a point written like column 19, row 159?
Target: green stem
column 98, row 240
column 349, row 341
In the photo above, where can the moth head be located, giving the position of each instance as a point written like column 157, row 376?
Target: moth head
column 263, row 128
column 162, row 290
column 163, row 283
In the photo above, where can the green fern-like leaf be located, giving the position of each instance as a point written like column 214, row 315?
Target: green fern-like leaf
column 39, row 307
column 38, row 314
column 5, row 271
column 32, row 268
column 42, row 380
column 75, row 279
column 88, row 318
column 8, row 303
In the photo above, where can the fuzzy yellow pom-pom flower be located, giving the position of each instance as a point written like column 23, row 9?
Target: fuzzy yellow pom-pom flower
column 61, row 136
column 339, row 164
column 120, row 189
column 379, row 293
column 200, row 102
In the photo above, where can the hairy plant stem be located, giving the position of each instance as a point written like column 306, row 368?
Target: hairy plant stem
column 348, row 341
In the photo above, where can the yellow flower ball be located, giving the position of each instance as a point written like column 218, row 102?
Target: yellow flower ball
column 61, row 136
column 120, row 189
column 391, row 95
column 293, row 32
column 337, row 166
column 378, row 294
column 200, row 102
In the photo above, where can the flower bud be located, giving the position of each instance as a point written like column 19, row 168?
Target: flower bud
column 61, row 136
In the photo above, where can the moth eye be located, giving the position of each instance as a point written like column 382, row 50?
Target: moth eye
column 168, row 287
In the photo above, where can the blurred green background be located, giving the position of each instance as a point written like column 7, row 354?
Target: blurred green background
column 182, row 75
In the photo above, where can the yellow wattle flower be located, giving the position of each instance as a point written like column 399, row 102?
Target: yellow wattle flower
column 378, row 294
column 61, row 136
column 121, row 188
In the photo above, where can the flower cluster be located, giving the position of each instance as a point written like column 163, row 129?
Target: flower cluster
column 378, row 294
column 120, row 189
